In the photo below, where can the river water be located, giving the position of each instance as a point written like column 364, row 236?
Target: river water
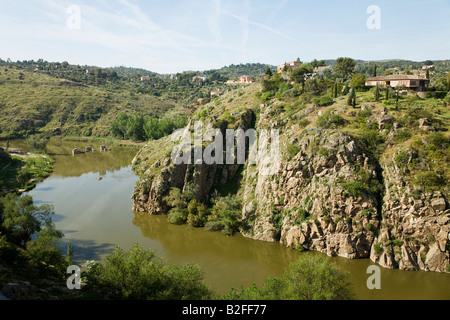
column 95, row 215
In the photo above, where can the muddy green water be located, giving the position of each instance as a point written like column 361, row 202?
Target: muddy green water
column 96, row 216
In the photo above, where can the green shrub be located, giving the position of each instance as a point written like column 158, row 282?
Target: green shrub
column 329, row 120
column 292, row 149
column 378, row 249
column 324, row 152
column 214, row 226
column 139, row 274
column 312, row 277
column 438, row 140
column 402, row 136
column 429, row 180
column 177, row 216
column 402, row 159
column 303, row 123
column 322, row 101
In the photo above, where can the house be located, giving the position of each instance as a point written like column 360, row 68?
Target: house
column 200, row 77
column 246, row 80
column 289, row 66
column 90, row 72
column 232, row 82
column 321, row 70
column 145, row 79
column 217, row 92
column 410, row 82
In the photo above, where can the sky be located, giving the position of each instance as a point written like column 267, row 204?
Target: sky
column 179, row 35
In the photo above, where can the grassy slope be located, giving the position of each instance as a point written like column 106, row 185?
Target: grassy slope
column 29, row 99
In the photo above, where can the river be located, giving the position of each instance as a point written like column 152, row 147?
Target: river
column 95, row 215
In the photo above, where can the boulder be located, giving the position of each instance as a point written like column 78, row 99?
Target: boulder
column 88, row 149
column 439, row 205
column 103, row 148
column 384, row 121
column 76, row 151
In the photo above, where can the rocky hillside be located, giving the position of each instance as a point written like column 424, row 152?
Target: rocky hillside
column 363, row 182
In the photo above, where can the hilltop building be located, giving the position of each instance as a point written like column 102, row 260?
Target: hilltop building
column 289, row 66
column 411, row 82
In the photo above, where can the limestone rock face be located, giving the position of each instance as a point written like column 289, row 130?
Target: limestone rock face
column 163, row 175
column 317, row 213
column 415, row 232
column 327, row 194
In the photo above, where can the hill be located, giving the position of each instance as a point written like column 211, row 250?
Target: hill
column 356, row 177
column 32, row 101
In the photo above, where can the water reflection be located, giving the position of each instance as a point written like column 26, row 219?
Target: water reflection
column 96, row 216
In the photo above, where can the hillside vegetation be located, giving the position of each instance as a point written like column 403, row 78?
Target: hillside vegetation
column 363, row 171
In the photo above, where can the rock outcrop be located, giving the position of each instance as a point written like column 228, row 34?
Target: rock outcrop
column 330, row 194
column 305, row 206
column 415, row 231
column 163, row 175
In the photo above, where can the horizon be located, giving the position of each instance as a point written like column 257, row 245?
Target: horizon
column 226, row 66
column 197, row 35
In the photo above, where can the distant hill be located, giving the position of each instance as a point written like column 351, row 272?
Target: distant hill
column 31, row 101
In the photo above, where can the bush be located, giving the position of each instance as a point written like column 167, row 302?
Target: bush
column 312, row 277
column 138, row 274
column 214, row 226
column 438, row 140
column 429, row 180
column 322, row 101
column 402, row 136
column 177, row 216
column 266, row 96
column 402, row 159
column 329, row 120
column 226, row 212
column 303, row 123
column 373, row 139
column 292, row 149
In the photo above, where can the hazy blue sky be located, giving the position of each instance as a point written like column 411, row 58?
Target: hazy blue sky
column 176, row 35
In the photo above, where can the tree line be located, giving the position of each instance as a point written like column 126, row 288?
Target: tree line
column 138, row 127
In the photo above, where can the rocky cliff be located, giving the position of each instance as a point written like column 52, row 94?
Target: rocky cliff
column 331, row 192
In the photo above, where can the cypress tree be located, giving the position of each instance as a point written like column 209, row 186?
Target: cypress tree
column 377, row 94
column 354, row 97
column 387, row 93
column 448, row 81
column 374, row 71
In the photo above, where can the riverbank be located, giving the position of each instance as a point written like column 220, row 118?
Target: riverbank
column 21, row 171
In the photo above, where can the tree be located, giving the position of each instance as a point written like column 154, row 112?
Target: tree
column 448, row 81
column 352, row 98
column 358, row 81
column 377, row 93
column 316, row 64
column 269, row 73
column 335, row 90
column 299, row 74
column 345, row 67
column 374, row 74
column 312, row 277
column 119, row 126
column 139, row 274
column 38, row 142
column 21, row 219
